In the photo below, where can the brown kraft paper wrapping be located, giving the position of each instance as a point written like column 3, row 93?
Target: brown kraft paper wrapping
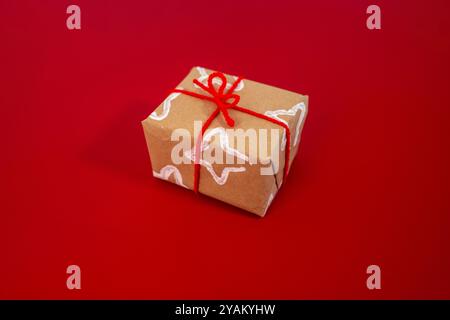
column 241, row 182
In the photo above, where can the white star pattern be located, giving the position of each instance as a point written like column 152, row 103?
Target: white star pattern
column 290, row 112
column 167, row 171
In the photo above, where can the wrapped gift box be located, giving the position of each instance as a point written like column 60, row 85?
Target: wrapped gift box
column 249, row 131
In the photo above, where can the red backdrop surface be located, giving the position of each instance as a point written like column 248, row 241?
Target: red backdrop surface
column 369, row 186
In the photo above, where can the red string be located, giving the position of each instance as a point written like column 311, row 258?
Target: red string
column 222, row 101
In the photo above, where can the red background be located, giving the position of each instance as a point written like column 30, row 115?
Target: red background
column 370, row 185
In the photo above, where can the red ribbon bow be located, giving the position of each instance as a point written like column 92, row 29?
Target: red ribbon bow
column 224, row 101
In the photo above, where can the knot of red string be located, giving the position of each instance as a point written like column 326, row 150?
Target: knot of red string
column 225, row 100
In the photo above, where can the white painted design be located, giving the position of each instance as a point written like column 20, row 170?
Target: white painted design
column 203, row 78
column 225, row 145
column 223, row 141
column 167, row 104
column 167, row 171
column 222, row 179
column 275, row 114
